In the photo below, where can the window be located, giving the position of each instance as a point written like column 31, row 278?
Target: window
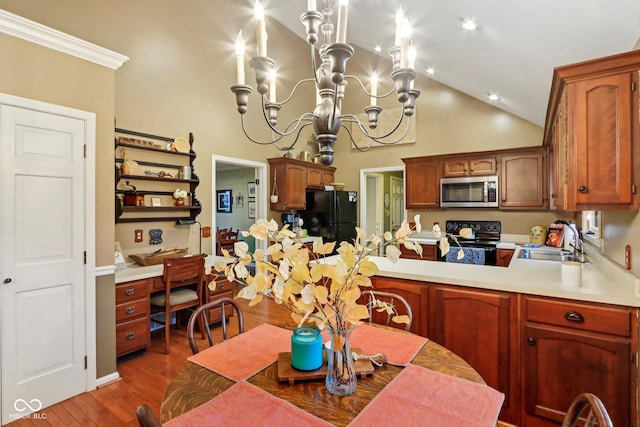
column 591, row 227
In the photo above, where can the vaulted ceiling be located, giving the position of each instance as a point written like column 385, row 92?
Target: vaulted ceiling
column 513, row 51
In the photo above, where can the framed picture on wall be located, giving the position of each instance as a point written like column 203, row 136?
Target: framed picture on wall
column 251, row 189
column 252, row 209
column 225, row 200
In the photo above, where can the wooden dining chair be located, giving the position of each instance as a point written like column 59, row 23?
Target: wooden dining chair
column 201, row 316
column 225, row 239
column 183, row 282
column 596, row 413
column 146, row 418
column 398, row 306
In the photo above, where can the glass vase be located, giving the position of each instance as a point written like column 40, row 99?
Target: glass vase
column 341, row 372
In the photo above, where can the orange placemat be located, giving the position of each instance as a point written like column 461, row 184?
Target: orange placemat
column 246, row 354
column 246, row 405
column 420, row 396
column 400, row 348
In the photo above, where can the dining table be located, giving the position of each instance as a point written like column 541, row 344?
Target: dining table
column 254, row 362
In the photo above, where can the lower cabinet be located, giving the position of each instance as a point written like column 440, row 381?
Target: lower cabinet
column 132, row 316
column 416, row 294
column 224, row 289
column 429, row 253
column 569, row 348
column 541, row 352
column 481, row 327
column 503, row 257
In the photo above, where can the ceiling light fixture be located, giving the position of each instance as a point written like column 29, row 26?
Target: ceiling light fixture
column 330, row 82
column 469, row 24
column 430, row 71
column 493, row 96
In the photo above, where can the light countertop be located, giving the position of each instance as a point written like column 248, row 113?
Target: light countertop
column 139, row 272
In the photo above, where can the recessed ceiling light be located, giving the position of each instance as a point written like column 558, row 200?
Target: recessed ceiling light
column 469, row 24
column 430, row 71
column 493, row 96
column 377, row 48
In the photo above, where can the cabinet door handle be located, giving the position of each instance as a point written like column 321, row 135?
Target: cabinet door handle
column 583, row 189
column 574, row 316
column 130, row 335
column 129, row 292
column 221, row 286
column 531, row 341
column 129, row 310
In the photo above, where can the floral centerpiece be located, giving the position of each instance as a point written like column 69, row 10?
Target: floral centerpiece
column 316, row 290
column 179, row 195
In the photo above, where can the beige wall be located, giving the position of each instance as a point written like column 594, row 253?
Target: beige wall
column 35, row 72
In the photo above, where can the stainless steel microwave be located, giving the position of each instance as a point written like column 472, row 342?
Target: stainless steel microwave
column 469, row 192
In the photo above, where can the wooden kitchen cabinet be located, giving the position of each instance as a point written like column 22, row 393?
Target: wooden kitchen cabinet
column 569, row 348
column 292, row 178
column 132, row 316
column 503, row 257
column 523, row 182
column 592, row 124
column 481, row 327
column 416, row 294
column 459, row 167
column 422, row 183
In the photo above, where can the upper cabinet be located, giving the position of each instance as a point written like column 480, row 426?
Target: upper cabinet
column 422, row 183
column 592, row 132
column 523, row 180
column 522, row 175
column 454, row 168
column 151, row 174
column 290, row 178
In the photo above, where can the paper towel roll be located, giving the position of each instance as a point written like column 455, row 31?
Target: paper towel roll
column 571, row 273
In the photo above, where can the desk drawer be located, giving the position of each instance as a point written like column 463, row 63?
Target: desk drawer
column 132, row 309
column 584, row 316
column 129, row 291
column 131, row 336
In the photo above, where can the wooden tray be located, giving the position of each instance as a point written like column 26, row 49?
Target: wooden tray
column 158, row 257
column 286, row 372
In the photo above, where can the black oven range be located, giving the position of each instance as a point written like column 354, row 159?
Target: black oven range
column 480, row 248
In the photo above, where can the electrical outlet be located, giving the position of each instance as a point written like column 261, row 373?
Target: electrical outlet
column 137, row 236
column 206, row 231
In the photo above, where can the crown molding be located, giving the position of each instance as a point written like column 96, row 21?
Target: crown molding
column 31, row 31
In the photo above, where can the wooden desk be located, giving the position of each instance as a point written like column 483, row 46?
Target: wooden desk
column 195, row 385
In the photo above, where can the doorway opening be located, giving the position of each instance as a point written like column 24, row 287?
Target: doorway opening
column 246, row 182
column 382, row 205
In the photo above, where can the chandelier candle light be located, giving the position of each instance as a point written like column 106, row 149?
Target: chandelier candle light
column 330, row 82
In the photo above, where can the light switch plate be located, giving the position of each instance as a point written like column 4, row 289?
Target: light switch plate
column 206, row 231
column 137, row 236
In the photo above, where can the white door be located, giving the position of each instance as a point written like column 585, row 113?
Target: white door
column 397, row 202
column 42, row 271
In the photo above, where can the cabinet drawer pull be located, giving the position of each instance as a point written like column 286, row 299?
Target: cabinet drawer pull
column 531, row 341
column 574, row 316
column 129, row 292
column 129, row 310
column 583, row 189
column 221, row 286
column 130, row 335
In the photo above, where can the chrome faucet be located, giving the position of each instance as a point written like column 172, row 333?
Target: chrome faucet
column 577, row 245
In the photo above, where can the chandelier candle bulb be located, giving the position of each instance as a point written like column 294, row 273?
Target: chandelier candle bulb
column 411, row 56
column 374, row 89
column 306, row 348
column 240, row 58
column 311, row 5
column 341, row 32
column 261, row 30
column 399, row 20
column 404, row 44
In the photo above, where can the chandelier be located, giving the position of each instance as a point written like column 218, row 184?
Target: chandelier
column 330, row 83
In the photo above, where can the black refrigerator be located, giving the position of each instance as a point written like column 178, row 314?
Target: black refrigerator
column 332, row 215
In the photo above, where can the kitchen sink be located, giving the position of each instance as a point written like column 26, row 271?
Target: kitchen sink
column 545, row 254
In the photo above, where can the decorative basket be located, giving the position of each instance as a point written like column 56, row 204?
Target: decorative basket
column 158, row 257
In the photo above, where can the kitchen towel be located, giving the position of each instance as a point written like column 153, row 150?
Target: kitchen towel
column 246, row 354
column 471, row 255
column 427, row 398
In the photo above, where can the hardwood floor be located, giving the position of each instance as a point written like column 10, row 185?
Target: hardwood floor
column 144, row 379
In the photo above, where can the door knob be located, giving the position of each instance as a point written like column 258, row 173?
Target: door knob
column 7, row 280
